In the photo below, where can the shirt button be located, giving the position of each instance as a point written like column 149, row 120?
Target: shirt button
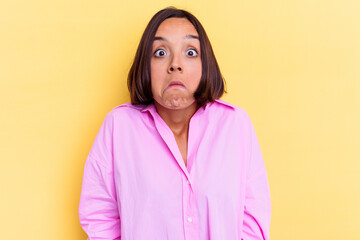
column 189, row 219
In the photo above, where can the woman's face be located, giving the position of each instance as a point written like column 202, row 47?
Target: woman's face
column 175, row 64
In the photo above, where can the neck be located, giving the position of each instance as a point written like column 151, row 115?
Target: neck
column 177, row 120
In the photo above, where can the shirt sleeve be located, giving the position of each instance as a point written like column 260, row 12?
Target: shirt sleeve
column 98, row 212
column 257, row 211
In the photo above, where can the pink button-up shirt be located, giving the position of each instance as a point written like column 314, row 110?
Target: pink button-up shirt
column 136, row 185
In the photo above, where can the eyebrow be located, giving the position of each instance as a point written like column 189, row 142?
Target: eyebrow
column 189, row 36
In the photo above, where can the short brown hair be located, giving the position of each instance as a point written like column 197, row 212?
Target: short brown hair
column 211, row 86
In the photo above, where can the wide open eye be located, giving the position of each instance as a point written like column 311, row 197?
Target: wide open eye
column 160, row 53
column 191, row 52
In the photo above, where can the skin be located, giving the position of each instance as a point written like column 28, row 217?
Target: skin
column 176, row 70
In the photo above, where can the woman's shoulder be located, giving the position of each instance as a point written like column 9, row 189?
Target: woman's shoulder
column 128, row 107
column 126, row 111
column 228, row 110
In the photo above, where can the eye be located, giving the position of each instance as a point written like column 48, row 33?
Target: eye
column 160, row 53
column 191, row 52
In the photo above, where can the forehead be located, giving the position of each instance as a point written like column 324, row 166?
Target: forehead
column 177, row 27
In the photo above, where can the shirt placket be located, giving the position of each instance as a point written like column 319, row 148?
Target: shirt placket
column 190, row 212
column 190, row 208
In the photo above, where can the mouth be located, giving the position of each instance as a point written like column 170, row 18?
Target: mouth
column 175, row 84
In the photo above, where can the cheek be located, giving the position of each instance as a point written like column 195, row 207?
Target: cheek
column 195, row 72
column 157, row 70
column 156, row 82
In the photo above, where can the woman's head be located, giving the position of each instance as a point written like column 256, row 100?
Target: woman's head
column 161, row 58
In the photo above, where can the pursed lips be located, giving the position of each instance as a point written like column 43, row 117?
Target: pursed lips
column 175, row 84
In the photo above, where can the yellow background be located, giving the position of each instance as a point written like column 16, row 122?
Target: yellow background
column 293, row 65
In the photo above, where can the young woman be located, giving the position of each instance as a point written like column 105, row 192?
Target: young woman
column 176, row 162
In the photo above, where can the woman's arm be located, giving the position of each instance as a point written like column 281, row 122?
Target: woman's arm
column 257, row 211
column 98, row 212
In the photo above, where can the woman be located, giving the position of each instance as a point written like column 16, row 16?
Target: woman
column 176, row 162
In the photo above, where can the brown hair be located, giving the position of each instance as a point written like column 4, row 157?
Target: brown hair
column 211, row 85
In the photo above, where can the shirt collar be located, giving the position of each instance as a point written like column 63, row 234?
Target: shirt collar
column 221, row 102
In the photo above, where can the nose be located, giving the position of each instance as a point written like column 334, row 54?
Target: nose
column 175, row 65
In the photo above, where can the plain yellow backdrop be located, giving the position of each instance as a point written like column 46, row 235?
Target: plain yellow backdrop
column 293, row 65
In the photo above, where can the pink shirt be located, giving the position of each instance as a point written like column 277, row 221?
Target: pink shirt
column 136, row 185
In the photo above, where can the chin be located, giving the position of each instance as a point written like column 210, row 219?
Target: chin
column 177, row 103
